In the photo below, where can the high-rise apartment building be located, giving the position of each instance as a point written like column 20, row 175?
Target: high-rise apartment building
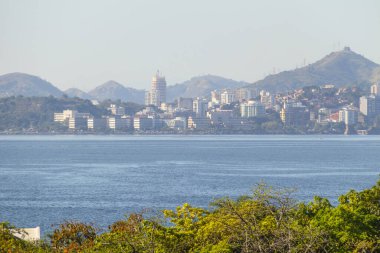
column 200, row 107
column 198, row 123
column 78, row 123
column 375, row 89
column 242, row 94
column 119, row 123
column 294, row 114
column 251, row 109
column 227, row 97
column 96, row 123
column 266, row 99
column 157, row 93
column 348, row 115
column 370, row 105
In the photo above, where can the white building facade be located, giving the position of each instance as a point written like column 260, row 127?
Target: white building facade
column 157, row 93
column 251, row 109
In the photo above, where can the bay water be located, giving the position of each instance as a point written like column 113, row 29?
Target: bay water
column 45, row 180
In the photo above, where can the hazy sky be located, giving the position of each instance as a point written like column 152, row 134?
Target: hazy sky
column 83, row 43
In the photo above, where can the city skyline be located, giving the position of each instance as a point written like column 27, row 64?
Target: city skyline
column 127, row 41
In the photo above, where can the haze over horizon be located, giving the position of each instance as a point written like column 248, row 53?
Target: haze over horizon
column 83, row 44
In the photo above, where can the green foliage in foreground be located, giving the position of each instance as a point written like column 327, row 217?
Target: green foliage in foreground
column 268, row 220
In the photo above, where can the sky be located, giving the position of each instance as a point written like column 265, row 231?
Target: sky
column 84, row 43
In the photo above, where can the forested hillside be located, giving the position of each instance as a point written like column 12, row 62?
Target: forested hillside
column 21, row 113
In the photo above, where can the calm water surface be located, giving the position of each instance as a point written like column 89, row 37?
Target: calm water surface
column 47, row 179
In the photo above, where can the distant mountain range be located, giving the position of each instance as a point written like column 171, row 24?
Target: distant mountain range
column 342, row 68
column 114, row 91
column 27, row 85
column 15, row 84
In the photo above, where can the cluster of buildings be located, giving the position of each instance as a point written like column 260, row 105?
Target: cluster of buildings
column 85, row 121
column 331, row 109
column 366, row 112
column 230, row 109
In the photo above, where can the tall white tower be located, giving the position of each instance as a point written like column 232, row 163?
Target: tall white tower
column 157, row 93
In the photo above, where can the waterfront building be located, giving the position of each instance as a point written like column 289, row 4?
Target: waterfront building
column 128, row 121
column 145, row 122
column 78, row 123
column 96, row 123
column 223, row 118
column 63, row 116
column 198, row 123
column 142, row 123
column 117, row 123
column 294, row 114
column 348, row 115
column 73, row 119
column 251, row 109
column 200, row 107
column 67, row 114
column 370, row 105
column 157, row 93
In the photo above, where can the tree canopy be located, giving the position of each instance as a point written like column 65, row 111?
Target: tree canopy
column 268, row 220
